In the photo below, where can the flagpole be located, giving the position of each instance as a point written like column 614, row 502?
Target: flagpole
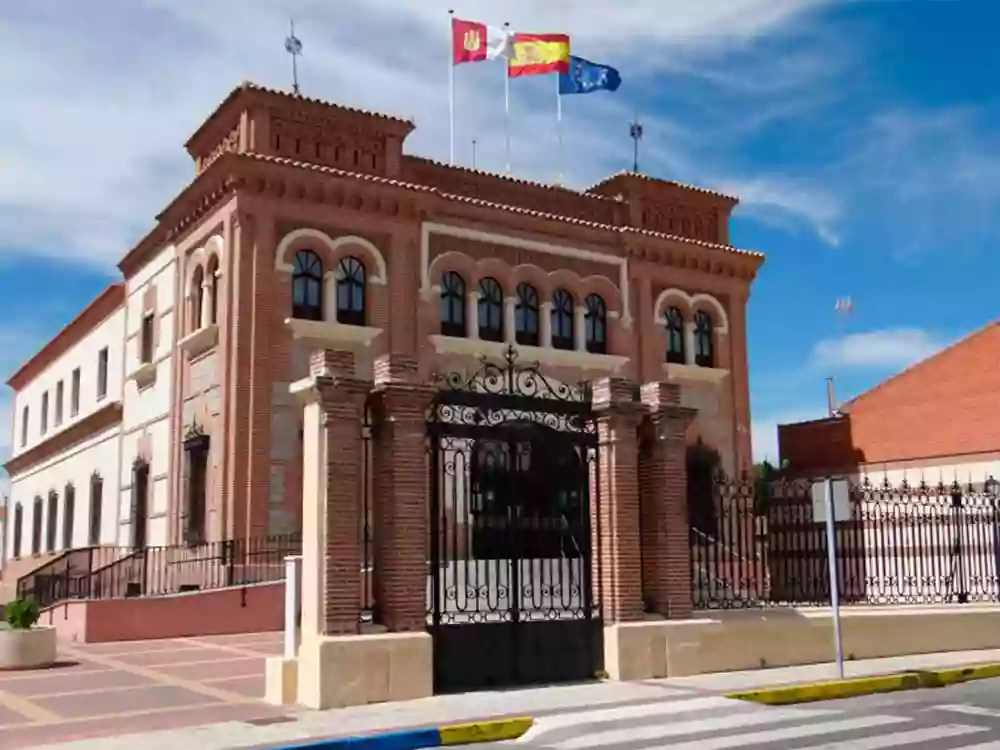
column 506, row 103
column 559, row 131
column 451, row 89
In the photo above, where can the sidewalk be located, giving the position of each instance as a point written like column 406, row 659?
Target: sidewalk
column 298, row 726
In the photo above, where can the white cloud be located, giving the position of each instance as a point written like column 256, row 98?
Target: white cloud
column 91, row 131
column 893, row 348
column 764, row 431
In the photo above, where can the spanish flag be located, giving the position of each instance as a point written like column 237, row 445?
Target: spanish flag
column 538, row 54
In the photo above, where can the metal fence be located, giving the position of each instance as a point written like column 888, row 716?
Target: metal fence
column 112, row 572
column 900, row 545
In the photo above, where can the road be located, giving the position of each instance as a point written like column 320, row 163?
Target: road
column 963, row 717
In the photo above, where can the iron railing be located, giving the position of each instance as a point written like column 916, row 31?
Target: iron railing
column 114, row 572
column 902, row 545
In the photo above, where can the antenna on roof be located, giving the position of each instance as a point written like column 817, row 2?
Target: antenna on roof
column 293, row 46
column 635, row 133
column 843, row 307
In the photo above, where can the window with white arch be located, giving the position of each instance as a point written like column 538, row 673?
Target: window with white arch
column 197, row 297
column 704, row 350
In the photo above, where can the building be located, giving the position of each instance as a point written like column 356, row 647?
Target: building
column 162, row 415
column 934, row 422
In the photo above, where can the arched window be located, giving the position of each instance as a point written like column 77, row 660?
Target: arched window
column 675, row 336
column 704, row 354
column 69, row 514
column 307, row 286
column 526, row 315
column 351, row 291
column 18, row 528
column 197, row 297
column 490, row 310
column 51, row 517
column 452, row 304
column 562, row 320
column 36, row 525
column 596, row 321
column 213, row 290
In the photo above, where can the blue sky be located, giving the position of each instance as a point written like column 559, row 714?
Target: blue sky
column 861, row 136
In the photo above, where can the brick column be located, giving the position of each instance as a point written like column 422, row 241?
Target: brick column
column 331, row 493
column 617, row 505
column 666, row 546
column 400, row 504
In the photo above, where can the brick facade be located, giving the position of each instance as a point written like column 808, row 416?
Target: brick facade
column 283, row 181
column 940, row 411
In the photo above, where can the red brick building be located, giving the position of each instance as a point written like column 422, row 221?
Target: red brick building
column 935, row 421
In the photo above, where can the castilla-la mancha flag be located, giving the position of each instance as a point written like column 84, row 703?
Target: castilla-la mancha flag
column 538, row 54
column 472, row 41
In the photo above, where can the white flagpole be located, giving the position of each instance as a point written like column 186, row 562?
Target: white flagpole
column 506, row 102
column 451, row 89
column 559, row 129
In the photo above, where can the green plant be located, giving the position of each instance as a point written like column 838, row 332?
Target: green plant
column 21, row 614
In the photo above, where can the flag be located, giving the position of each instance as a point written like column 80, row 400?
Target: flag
column 474, row 42
column 538, row 54
column 583, row 77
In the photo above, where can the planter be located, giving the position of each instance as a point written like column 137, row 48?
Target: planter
column 27, row 649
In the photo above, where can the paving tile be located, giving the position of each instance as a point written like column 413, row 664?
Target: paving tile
column 75, row 682
column 10, row 717
column 80, row 705
column 209, row 670
column 18, row 738
column 251, row 686
column 175, row 656
column 59, row 669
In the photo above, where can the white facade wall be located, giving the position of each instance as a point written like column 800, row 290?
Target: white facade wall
column 963, row 471
column 99, row 453
column 146, row 415
column 83, row 355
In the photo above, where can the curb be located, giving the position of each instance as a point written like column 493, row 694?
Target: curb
column 852, row 688
column 491, row 730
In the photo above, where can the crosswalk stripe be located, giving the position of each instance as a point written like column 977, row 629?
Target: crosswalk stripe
column 784, row 733
column 969, row 710
column 618, row 713
column 902, row 738
column 677, row 728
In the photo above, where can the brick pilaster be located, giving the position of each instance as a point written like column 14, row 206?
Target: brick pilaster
column 666, row 546
column 617, row 552
column 340, row 475
column 401, row 494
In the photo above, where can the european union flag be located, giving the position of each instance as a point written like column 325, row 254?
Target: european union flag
column 583, row 77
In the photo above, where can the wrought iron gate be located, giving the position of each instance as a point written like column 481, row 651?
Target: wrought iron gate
column 512, row 591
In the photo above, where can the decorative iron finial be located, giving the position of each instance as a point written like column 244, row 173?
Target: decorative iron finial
column 635, row 132
column 293, row 46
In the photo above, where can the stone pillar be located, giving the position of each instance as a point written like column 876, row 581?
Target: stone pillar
column 580, row 328
column 510, row 320
column 401, row 494
column 666, row 552
column 545, row 325
column 472, row 315
column 618, row 503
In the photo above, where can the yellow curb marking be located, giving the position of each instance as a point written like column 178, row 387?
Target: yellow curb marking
column 495, row 730
column 28, row 709
column 194, row 687
column 913, row 680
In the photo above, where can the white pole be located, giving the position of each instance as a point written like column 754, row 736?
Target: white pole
column 831, row 553
column 506, row 103
column 293, row 564
column 451, row 89
column 559, row 131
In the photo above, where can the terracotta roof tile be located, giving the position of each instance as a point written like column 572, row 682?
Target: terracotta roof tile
column 490, row 204
column 647, row 178
column 512, row 180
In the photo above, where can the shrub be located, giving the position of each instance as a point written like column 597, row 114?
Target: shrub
column 21, row 614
